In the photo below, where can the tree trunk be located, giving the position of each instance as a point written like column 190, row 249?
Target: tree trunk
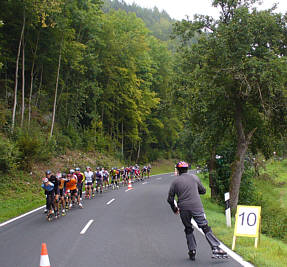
column 56, row 91
column 139, row 151
column 102, row 120
column 32, row 80
column 40, row 86
column 16, row 74
column 122, row 139
column 212, row 174
column 23, row 83
column 237, row 167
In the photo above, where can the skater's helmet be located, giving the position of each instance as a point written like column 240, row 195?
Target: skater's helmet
column 48, row 172
column 45, row 180
column 182, row 167
column 77, row 169
column 72, row 171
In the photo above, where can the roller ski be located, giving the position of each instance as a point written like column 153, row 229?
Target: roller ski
column 218, row 253
column 63, row 212
column 192, row 254
column 81, row 205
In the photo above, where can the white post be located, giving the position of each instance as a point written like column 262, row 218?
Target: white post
column 227, row 209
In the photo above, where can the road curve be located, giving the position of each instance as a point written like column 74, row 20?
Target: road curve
column 116, row 229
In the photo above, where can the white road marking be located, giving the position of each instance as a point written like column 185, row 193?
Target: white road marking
column 231, row 253
column 86, row 227
column 21, row 216
column 158, row 178
column 112, row 200
column 145, row 183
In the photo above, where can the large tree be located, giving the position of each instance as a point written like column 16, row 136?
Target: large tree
column 238, row 63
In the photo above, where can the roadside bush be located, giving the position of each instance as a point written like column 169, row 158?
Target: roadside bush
column 63, row 142
column 33, row 147
column 9, row 155
column 74, row 135
column 274, row 221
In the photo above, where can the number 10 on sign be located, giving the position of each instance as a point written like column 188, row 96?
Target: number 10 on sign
column 247, row 223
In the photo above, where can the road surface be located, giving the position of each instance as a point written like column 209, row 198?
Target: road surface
column 129, row 229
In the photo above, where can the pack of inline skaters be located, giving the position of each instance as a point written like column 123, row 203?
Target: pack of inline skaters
column 65, row 190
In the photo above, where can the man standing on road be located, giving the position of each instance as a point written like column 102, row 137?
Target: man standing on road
column 187, row 188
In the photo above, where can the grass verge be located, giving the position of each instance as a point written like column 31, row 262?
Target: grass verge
column 270, row 253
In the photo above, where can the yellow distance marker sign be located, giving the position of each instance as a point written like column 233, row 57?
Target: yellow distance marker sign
column 247, row 223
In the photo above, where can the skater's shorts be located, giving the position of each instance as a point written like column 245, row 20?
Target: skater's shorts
column 89, row 183
column 106, row 179
column 114, row 178
column 73, row 192
column 99, row 182
column 80, row 186
column 62, row 192
column 57, row 191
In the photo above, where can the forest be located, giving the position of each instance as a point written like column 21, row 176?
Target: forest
column 128, row 81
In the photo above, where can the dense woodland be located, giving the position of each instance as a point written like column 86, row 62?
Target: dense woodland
column 129, row 81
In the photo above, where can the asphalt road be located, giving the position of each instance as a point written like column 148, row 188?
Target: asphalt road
column 136, row 229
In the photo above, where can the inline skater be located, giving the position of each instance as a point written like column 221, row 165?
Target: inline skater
column 105, row 175
column 132, row 174
column 137, row 173
column 80, row 182
column 128, row 171
column 125, row 176
column 188, row 187
column 144, row 171
column 122, row 170
column 62, row 183
column 148, row 170
column 99, row 181
column 118, row 176
column 50, row 196
column 47, row 175
column 89, row 175
column 54, row 179
column 71, row 187
column 114, row 178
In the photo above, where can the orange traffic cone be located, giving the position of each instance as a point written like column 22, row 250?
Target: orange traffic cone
column 130, row 185
column 44, row 260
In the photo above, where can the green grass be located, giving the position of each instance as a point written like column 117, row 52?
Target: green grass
column 270, row 253
column 19, row 195
column 277, row 170
column 163, row 166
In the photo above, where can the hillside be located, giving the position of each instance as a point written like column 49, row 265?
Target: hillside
column 159, row 23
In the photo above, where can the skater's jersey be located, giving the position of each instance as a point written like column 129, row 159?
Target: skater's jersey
column 105, row 174
column 53, row 179
column 187, row 187
column 62, row 183
column 80, row 177
column 49, row 187
column 89, row 176
column 71, row 184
